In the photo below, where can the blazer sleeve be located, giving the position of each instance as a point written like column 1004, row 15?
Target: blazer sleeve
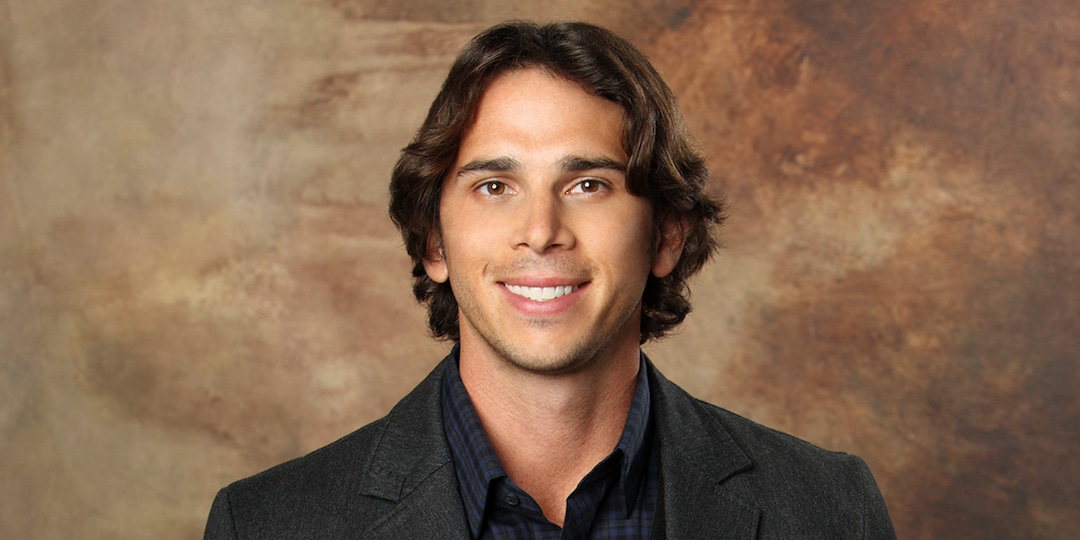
column 220, row 526
column 870, row 506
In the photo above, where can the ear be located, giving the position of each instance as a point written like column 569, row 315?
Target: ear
column 434, row 260
column 669, row 245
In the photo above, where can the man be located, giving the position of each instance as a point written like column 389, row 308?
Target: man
column 554, row 209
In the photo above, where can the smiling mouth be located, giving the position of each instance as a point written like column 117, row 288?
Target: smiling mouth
column 541, row 294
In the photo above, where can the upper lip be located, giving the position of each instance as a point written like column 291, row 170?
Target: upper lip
column 543, row 282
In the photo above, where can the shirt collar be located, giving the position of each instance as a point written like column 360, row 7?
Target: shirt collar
column 477, row 467
column 632, row 441
column 474, row 460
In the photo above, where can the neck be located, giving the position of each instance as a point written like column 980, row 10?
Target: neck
column 550, row 430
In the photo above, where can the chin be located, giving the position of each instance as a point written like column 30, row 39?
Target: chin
column 548, row 359
column 548, row 366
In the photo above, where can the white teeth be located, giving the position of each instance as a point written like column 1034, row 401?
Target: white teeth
column 540, row 294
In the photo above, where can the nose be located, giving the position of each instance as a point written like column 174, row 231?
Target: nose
column 543, row 225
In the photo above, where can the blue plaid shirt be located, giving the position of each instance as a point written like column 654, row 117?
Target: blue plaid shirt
column 616, row 500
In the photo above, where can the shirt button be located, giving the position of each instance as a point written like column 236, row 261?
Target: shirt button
column 511, row 499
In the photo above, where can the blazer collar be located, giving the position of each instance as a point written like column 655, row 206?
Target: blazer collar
column 697, row 457
column 411, row 466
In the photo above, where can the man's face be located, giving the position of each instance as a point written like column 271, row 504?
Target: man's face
column 545, row 249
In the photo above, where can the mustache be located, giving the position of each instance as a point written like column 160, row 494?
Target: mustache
column 532, row 265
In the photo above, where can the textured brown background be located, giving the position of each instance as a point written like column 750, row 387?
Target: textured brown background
column 198, row 280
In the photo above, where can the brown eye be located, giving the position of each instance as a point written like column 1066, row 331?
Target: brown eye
column 587, row 186
column 493, row 188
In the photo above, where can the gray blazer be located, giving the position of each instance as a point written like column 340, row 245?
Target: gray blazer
column 723, row 476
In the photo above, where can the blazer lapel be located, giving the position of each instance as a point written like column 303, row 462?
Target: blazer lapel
column 697, row 455
column 412, row 467
column 432, row 510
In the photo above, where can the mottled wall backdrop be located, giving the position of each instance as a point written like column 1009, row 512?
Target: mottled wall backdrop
column 198, row 278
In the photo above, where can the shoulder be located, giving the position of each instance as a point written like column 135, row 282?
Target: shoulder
column 798, row 463
column 688, row 421
column 334, row 466
column 685, row 421
column 768, row 445
column 802, row 487
column 341, row 486
column 797, row 486
column 295, row 497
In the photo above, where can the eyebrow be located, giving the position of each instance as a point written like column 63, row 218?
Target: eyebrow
column 566, row 164
column 501, row 164
column 579, row 164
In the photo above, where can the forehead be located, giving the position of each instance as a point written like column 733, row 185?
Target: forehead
column 538, row 81
column 530, row 108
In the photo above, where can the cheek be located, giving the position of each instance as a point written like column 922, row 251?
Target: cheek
column 637, row 235
column 466, row 248
column 626, row 241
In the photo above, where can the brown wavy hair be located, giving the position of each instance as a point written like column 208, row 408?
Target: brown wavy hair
column 663, row 166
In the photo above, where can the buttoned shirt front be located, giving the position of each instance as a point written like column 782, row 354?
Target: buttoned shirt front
column 616, row 500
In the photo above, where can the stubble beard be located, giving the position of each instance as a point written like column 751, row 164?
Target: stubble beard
column 559, row 362
column 582, row 352
column 577, row 355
